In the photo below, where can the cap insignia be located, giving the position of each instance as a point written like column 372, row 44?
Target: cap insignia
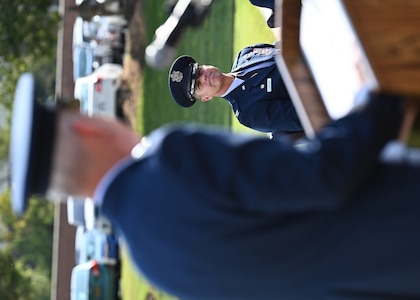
column 176, row 76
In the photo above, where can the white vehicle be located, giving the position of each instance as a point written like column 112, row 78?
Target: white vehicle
column 97, row 92
column 95, row 245
column 112, row 6
column 75, row 211
column 97, row 42
column 95, row 280
column 82, row 212
column 94, row 220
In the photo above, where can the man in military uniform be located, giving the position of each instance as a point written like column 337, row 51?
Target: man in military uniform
column 254, row 88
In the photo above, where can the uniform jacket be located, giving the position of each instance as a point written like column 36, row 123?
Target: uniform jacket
column 264, row 3
column 262, row 102
column 210, row 215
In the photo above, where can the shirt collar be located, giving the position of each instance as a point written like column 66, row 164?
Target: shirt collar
column 235, row 83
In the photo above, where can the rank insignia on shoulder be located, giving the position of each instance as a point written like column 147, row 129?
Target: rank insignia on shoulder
column 262, row 51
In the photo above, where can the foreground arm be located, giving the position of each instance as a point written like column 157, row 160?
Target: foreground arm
column 261, row 175
column 271, row 115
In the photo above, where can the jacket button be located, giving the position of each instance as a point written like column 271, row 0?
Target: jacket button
column 243, row 88
column 261, row 86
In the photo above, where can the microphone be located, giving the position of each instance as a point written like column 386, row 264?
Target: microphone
column 161, row 52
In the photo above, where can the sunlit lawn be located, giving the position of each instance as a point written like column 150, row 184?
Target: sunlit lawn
column 230, row 26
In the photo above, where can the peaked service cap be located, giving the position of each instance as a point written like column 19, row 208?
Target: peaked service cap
column 182, row 77
column 31, row 144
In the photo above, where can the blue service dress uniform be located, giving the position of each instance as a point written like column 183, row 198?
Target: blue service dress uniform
column 210, row 215
column 263, row 3
column 262, row 102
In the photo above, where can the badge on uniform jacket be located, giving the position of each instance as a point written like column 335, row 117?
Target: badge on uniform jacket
column 176, row 76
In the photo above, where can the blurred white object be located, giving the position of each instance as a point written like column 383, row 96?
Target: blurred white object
column 94, row 245
column 335, row 55
column 98, row 92
column 399, row 153
column 82, row 212
column 94, row 220
column 96, row 42
column 75, row 211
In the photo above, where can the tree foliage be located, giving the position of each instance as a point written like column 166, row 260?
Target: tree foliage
column 28, row 43
column 28, row 27
column 28, row 239
column 28, row 35
column 4, row 144
column 28, row 39
column 9, row 73
column 14, row 285
column 29, row 236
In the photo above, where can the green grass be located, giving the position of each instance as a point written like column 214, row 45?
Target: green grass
column 230, row 26
column 210, row 43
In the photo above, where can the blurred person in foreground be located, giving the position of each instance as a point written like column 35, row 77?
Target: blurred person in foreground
column 207, row 214
column 254, row 89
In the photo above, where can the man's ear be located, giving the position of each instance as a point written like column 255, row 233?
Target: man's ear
column 206, row 98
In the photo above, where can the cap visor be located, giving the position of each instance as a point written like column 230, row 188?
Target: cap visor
column 20, row 145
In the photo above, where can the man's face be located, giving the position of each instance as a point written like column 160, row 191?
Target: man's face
column 208, row 83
